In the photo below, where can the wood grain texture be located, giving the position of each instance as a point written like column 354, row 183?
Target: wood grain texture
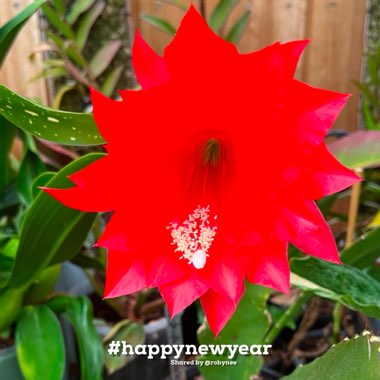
column 336, row 27
column 17, row 70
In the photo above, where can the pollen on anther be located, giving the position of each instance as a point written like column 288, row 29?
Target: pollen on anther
column 194, row 235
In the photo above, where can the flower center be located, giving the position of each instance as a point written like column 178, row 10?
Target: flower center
column 212, row 152
column 194, row 236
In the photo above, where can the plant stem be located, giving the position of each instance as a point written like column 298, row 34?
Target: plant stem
column 202, row 8
column 290, row 314
column 337, row 316
column 353, row 210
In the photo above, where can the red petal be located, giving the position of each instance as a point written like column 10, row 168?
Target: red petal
column 269, row 266
column 325, row 175
column 278, row 60
column 153, row 250
column 224, row 272
column 218, row 309
column 81, row 199
column 180, row 294
column 149, row 67
column 317, row 110
column 124, row 275
column 317, row 242
column 192, row 55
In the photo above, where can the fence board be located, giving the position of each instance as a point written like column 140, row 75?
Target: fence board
column 332, row 60
column 17, row 69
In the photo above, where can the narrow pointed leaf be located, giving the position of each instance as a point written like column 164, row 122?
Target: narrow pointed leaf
column 159, row 23
column 220, row 14
column 51, row 232
column 31, row 167
column 364, row 251
column 110, row 82
column 67, row 128
column 77, row 8
column 104, row 57
column 85, row 24
column 58, row 22
column 237, row 30
column 341, row 283
column 9, row 31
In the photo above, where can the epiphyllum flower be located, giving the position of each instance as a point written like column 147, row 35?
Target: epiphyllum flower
column 212, row 169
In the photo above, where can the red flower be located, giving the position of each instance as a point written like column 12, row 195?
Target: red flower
column 212, row 169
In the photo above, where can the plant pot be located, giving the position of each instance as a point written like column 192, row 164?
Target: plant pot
column 9, row 368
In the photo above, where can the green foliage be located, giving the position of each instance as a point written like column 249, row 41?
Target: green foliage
column 364, row 252
column 60, row 127
column 9, row 31
column 51, row 232
column 68, row 39
column 357, row 358
column 247, row 326
column 79, row 313
column 342, row 283
column 128, row 331
column 39, row 344
column 159, row 23
column 359, row 149
column 219, row 18
column 370, row 90
column 7, row 131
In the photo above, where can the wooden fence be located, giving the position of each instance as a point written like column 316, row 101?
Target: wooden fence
column 333, row 59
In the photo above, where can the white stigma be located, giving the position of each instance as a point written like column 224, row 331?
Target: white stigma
column 199, row 259
column 194, row 237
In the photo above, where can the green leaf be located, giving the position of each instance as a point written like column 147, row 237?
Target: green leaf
column 159, row 23
column 111, row 81
column 66, row 128
column 86, row 23
column 8, row 198
column 6, row 265
column 79, row 313
column 128, row 331
column 237, row 30
column 51, row 232
column 102, row 59
column 360, row 149
column 69, row 49
column 367, row 116
column 59, row 6
column 341, row 283
column 221, row 13
column 77, row 8
column 58, row 22
column 31, row 167
column 39, row 344
column 43, row 287
column 247, row 326
column 366, row 91
column 9, row 31
column 7, row 133
column 357, row 358
column 10, row 306
column 364, row 251
column 41, row 181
